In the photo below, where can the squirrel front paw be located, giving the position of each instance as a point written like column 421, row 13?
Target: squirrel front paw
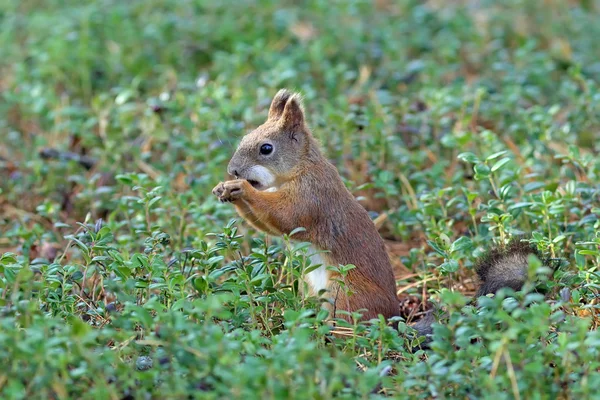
column 230, row 190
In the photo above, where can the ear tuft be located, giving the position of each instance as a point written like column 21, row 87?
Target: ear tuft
column 293, row 113
column 278, row 104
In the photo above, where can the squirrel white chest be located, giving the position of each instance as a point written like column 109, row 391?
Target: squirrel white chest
column 317, row 279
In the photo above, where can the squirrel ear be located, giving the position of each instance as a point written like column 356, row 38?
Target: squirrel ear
column 278, row 104
column 293, row 114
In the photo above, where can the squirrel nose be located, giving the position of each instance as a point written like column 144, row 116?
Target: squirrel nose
column 233, row 171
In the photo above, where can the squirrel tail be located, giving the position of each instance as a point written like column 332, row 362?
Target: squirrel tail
column 505, row 267
column 502, row 267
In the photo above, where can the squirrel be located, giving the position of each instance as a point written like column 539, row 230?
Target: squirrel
column 284, row 182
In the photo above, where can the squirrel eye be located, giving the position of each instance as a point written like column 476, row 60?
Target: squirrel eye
column 266, row 149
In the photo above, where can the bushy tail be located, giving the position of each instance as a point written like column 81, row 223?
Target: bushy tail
column 503, row 267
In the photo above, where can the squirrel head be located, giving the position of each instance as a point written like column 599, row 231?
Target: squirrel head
column 271, row 154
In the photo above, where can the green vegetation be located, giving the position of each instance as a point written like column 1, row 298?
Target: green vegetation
column 458, row 125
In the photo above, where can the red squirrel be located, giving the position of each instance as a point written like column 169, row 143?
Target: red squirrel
column 284, row 182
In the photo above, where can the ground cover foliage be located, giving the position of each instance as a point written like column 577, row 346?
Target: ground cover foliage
column 458, row 125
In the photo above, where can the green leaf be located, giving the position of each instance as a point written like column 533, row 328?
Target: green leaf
column 153, row 201
column 78, row 327
column 8, row 258
column 589, row 252
column 126, row 179
column 449, row 266
column 143, row 316
column 482, row 171
column 201, row 285
column 77, row 276
column 496, row 155
column 559, row 238
column 436, row 248
column 531, row 186
column 500, row 163
column 301, row 246
column 311, row 268
column 522, row 204
column 124, row 97
column 461, row 244
column 257, row 280
column 297, row 230
column 468, row 157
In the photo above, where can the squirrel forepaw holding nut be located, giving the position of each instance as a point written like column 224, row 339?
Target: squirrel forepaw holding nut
column 230, row 190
